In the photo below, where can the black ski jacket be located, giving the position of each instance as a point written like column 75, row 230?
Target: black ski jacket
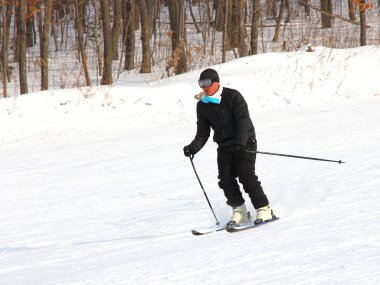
column 229, row 120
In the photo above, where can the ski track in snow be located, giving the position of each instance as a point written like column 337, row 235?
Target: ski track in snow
column 108, row 198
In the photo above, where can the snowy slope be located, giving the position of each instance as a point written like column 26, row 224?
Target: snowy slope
column 95, row 188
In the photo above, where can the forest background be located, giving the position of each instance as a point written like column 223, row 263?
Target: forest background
column 52, row 44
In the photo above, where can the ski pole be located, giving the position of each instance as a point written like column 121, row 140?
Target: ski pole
column 204, row 192
column 297, row 156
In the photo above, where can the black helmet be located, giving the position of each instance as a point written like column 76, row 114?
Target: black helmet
column 209, row 73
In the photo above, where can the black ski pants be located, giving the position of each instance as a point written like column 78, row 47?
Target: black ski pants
column 240, row 163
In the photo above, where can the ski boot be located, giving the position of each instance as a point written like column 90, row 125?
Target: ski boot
column 264, row 214
column 240, row 215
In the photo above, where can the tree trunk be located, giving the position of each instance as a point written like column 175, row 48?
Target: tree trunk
column 155, row 18
column 363, row 24
column 193, row 17
column 4, row 49
column 30, row 27
column 255, row 26
column 173, row 17
column 129, row 26
column 10, row 11
column 225, row 31
column 84, row 22
column 241, row 29
column 177, row 23
column 44, row 46
column 220, row 15
column 107, row 38
column 149, row 9
column 97, row 40
column 146, row 65
column 351, row 10
column 21, row 24
column 116, row 27
column 53, row 30
column 271, row 8
column 278, row 21
column 287, row 7
column 234, row 12
column 14, row 43
column 326, row 7
column 234, row 24
column 82, row 48
column 182, row 66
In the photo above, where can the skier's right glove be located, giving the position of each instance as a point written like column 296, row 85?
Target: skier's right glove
column 188, row 151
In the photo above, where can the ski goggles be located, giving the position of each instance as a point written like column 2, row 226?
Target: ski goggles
column 206, row 82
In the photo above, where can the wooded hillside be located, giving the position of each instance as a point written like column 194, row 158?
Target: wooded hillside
column 49, row 44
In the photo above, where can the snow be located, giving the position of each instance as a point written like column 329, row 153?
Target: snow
column 95, row 188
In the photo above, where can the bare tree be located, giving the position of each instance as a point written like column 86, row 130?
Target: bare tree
column 220, row 14
column 82, row 48
column 107, row 39
column 230, row 19
column 30, row 30
column 271, row 8
column 150, row 11
column 193, row 17
column 287, row 7
column 177, row 25
column 4, row 48
column 7, row 13
column 205, row 23
column 54, row 28
column 351, row 10
column 96, row 36
column 44, row 45
column 233, row 23
column 363, row 23
column 236, row 26
column 326, row 12
column 21, row 29
column 278, row 21
column 225, row 28
column 255, row 26
column 116, row 27
column 129, row 31
column 155, row 19
column 242, row 47
column 146, row 65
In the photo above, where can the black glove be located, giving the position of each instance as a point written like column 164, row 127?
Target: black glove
column 188, row 151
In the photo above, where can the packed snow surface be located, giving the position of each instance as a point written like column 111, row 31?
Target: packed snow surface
column 95, row 188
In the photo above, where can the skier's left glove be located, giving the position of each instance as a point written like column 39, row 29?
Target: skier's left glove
column 188, row 151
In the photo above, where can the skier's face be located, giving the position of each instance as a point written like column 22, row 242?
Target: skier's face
column 212, row 89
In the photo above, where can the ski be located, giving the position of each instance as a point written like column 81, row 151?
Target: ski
column 248, row 226
column 205, row 232
column 232, row 229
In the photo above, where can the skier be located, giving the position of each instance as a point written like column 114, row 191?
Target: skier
column 226, row 112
